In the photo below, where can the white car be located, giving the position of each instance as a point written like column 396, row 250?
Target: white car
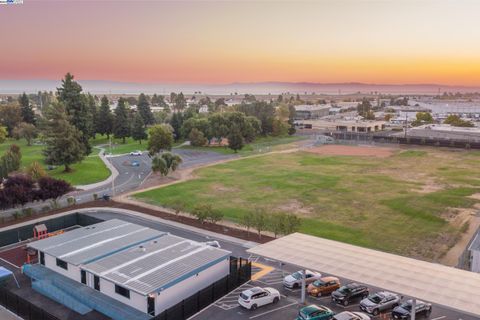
column 347, row 315
column 136, row 153
column 256, row 297
column 294, row 280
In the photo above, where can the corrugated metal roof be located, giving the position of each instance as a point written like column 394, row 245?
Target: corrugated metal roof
column 156, row 264
column 433, row 282
column 475, row 245
column 86, row 244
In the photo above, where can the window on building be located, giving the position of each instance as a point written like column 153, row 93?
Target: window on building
column 96, row 283
column 42, row 258
column 62, row 264
column 83, row 276
column 122, row 291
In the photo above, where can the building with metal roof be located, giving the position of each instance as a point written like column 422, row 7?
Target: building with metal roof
column 474, row 251
column 423, row 280
column 139, row 266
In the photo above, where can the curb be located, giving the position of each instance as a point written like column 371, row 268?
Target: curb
column 113, row 174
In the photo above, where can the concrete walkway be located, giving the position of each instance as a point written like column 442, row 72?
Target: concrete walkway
column 113, row 173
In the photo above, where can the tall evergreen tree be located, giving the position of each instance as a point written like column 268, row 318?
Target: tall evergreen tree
column 121, row 123
column 177, row 122
column 76, row 105
column 138, row 129
column 104, row 118
column 64, row 140
column 26, row 109
column 92, row 113
column 143, row 108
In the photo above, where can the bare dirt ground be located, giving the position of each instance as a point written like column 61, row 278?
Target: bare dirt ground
column 365, row 151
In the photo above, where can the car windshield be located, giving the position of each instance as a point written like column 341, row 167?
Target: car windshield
column 344, row 289
column 406, row 306
column 297, row 275
column 319, row 283
column 244, row 296
column 375, row 298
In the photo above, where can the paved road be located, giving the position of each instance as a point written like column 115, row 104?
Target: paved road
column 130, row 177
column 228, row 308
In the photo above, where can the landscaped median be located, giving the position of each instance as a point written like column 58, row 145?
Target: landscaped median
column 411, row 202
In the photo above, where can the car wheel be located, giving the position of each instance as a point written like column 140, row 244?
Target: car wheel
column 345, row 303
column 275, row 300
column 253, row 307
column 295, row 286
column 375, row 312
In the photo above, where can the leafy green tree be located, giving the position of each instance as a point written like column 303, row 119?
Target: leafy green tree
column 160, row 138
column 247, row 220
column 422, row 118
column 105, row 118
column 64, row 140
column 260, row 221
column 93, row 115
column 291, row 120
column 160, row 165
column 138, row 129
column 10, row 116
column 121, row 123
column 180, row 101
column 235, row 139
column 201, row 212
column 291, row 223
column 201, row 124
column 276, row 223
column 10, row 161
column 176, row 122
column 3, row 134
column 263, row 111
column 70, row 94
column 456, row 121
column 214, row 215
column 196, row 137
column 28, row 115
column 143, row 108
column 364, row 108
column 25, row 130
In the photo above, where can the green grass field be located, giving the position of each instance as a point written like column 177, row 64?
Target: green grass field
column 397, row 204
column 90, row 170
column 117, row 146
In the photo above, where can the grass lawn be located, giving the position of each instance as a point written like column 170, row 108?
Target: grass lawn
column 260, row 145
column 401, row 204
column 117, row 146
column 90, row 170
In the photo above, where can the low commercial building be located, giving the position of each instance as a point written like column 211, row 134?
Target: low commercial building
column 344, row 125
column 313, row 111
column 445, row 131
column 141, row 267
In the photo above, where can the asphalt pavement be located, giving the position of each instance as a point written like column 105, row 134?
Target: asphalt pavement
column 228, row 308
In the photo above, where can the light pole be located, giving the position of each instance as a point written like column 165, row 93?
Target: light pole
column 303, row 286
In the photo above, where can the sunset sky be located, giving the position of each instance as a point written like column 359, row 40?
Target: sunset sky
column 243, row 41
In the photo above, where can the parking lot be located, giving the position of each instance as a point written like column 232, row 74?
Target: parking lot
column 290, row 303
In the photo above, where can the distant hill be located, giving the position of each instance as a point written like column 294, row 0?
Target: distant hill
column 101, row 86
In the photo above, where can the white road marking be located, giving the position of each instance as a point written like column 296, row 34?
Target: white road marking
column 273, row 310
column 438, row 318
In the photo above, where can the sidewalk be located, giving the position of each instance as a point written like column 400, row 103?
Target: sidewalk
column 113, row 173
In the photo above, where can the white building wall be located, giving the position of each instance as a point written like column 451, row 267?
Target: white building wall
column 73, row 272
column 182, row 290
column 136, row 300
column 475, row 261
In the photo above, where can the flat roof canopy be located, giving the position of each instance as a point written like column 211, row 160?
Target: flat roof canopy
column 455, row 288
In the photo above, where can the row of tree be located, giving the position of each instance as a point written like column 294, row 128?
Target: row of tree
column 278, row 223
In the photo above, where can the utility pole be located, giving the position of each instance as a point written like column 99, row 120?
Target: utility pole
column 304, row 286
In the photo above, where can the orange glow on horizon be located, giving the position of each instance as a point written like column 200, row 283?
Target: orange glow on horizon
column 386, row 42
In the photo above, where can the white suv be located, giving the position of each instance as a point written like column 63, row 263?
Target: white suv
column 256, row 297
column 136, row 153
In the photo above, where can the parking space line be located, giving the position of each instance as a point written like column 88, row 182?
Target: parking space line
column 273, row 310
column 438, row 318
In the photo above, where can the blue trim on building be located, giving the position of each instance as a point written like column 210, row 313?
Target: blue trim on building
column 191, row 273
column 120, row 249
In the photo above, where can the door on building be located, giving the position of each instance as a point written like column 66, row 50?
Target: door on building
column 96, row 283
column 83, row 276
column 42, row 258
column 151, row 305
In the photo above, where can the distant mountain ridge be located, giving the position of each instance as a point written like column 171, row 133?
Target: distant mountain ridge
column 272, row 87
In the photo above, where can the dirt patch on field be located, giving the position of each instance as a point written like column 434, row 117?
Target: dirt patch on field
column 220, row 188
column 429, row 187
column 475, row 196
column 295, row 206
column 364, row 151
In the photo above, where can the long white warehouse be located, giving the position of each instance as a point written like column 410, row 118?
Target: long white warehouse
column 144, row 268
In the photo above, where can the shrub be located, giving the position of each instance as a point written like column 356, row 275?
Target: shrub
column 202, row 212
column 196, row 137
